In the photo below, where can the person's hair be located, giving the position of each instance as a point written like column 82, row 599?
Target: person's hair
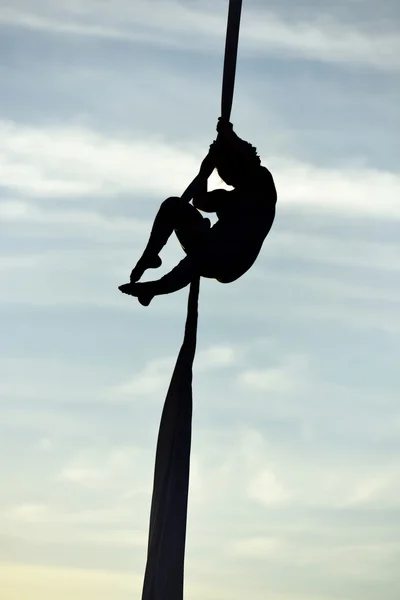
column 236, row 153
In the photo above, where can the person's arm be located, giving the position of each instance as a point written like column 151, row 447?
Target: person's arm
column 210, row 201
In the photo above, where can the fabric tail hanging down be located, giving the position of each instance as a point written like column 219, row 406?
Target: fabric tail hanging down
column 166, row 551
column 164, row 575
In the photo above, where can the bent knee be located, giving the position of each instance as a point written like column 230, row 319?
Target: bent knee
column 171, row 203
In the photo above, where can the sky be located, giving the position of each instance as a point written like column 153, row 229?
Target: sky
column 106, row 109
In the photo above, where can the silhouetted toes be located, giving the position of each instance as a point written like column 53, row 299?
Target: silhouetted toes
column 136, row 289
column 126, row 288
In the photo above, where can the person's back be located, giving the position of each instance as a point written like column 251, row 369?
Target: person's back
column 251, row 203
column 245, row 214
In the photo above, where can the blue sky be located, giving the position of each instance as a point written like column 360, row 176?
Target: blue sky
column 105, row 110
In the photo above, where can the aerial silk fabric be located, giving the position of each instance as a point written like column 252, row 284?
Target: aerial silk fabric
column 164, row 575
column 166, row 550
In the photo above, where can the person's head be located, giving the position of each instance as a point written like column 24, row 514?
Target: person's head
column 235, row 161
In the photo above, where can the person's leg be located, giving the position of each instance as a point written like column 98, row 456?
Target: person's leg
column 173, row 281
column 174, row 214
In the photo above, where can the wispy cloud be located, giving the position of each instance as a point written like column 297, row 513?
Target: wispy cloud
column 151, row 379
column 319, row 37
column 154, row 377
column 77, row 162
column 282, row 379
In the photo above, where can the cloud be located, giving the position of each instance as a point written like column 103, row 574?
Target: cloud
column 63, row 224
column 36, row 379
column 75, row 162
column 231, row 469
column 274, row 478
column 337, row 488
column 89, row 477
column 337, row 557
column 256, row 548
column 286, row 378
column 109, row 468
column 315, row 36
column 151, row 379
column 352, row 191
column 331, row 250
column 216, row 357
column 324, row 39
column 251, row 466
column 267, row 489
column 155, row 376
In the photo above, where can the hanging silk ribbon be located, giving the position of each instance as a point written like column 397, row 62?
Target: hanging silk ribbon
column 164, row 576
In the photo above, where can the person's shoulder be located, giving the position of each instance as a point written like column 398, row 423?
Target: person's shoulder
column 262, row 177
column 265, row 173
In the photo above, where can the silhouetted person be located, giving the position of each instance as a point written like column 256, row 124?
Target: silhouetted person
column 228, row 249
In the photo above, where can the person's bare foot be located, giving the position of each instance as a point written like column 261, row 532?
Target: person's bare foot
column 139, row 290
column 143, row 265
column 145, row 300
